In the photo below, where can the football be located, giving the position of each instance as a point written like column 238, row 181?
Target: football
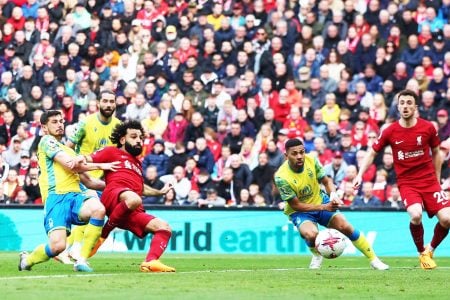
column 330, row 243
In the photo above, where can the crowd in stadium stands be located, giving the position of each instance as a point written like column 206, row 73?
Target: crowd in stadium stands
column 220, row 85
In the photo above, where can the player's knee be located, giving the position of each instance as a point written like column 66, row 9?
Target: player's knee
column 345, row 229
column 134, row 202
column 98, row 211
column 58, row 246
column 445, row 222
column 163, row 225
column 415, row 217
column 310, row 236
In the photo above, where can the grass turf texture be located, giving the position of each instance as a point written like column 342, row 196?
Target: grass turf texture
column 215, row 277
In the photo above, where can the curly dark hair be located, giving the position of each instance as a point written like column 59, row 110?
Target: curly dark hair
column 121, row 130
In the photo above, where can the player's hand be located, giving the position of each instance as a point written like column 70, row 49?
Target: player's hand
column 166, row 188
column 334, row 197
column 79, row 159
column 331, row 206
column 357, row 182
column 113, row 166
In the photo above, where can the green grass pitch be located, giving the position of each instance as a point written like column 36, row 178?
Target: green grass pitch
column 216, row 277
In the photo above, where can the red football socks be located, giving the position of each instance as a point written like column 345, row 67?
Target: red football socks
column 417, row 235
column 120, row 213
column 158, row 244
column 439, row 235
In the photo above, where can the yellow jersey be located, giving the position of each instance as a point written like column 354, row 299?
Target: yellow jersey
column 91, row 135
column 304, row 185
column 53, row 177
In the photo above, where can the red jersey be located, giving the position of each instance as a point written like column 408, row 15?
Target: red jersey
column 411, row 149
column 129, row 171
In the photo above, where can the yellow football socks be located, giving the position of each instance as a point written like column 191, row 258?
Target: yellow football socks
column 92, row 232
column 362, row 244
column 78, row 234
column 38, row 255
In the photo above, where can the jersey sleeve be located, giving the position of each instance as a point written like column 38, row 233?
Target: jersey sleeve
column 434, row 140
column 382, row 140
column 103, row 155
column 320, row 171
column 79, row 133
column 50, row 146
column 286, row 192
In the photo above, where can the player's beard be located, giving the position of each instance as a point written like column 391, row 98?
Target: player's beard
column 105, row 113
column 133, row 150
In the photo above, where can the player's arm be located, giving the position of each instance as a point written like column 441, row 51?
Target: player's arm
column 78, row 164
column 149, row 191
column 437, row 161
column 70, row 144
column 91, row 182
column 288, row 194
column 330, row 188
column 367, row 161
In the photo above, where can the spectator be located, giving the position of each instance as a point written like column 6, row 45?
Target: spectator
column 11, row 185
column 276, row 156
column 170, row 198
column 395, row 199
column 212, row 199
column 367, row 199
column 154, row 124
column 228, row 188
column 156, row 158
column 202, row 155
column 178, row 157
column 181, row 184
column 234, row 137
column 151, row 179
column 263, row 176
column 31, row 185
column 336, row 169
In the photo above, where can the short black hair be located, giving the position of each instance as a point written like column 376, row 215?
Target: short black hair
column 409, row 93
column 106, row 91
column 48, row 114
column 121, row 130
column 293, row 143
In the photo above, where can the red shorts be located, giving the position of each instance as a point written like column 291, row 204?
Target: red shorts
column 138, row 219
column 432, row 198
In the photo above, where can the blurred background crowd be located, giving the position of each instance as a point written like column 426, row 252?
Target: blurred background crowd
column 220, row 85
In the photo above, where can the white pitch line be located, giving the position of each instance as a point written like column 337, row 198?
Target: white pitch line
column 196, row 272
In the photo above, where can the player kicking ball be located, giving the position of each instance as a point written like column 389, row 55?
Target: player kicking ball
column 298, row 179
column 122, row 195
column 412, row 139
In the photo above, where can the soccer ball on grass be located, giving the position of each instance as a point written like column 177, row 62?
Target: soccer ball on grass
column 330, row 243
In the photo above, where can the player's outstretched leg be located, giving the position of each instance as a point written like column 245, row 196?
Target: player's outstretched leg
column 40, row 254
column 161, row 236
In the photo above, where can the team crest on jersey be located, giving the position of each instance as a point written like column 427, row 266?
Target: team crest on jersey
column 306, row 192
column 310, row 173
column 419, row 140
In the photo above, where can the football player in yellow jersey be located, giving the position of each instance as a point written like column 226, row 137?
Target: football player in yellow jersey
column 65, row 204
column 298, row 180
column 91, row 134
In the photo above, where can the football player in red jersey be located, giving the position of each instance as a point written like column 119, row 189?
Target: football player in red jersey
column 123, row 191
column 412, row 139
